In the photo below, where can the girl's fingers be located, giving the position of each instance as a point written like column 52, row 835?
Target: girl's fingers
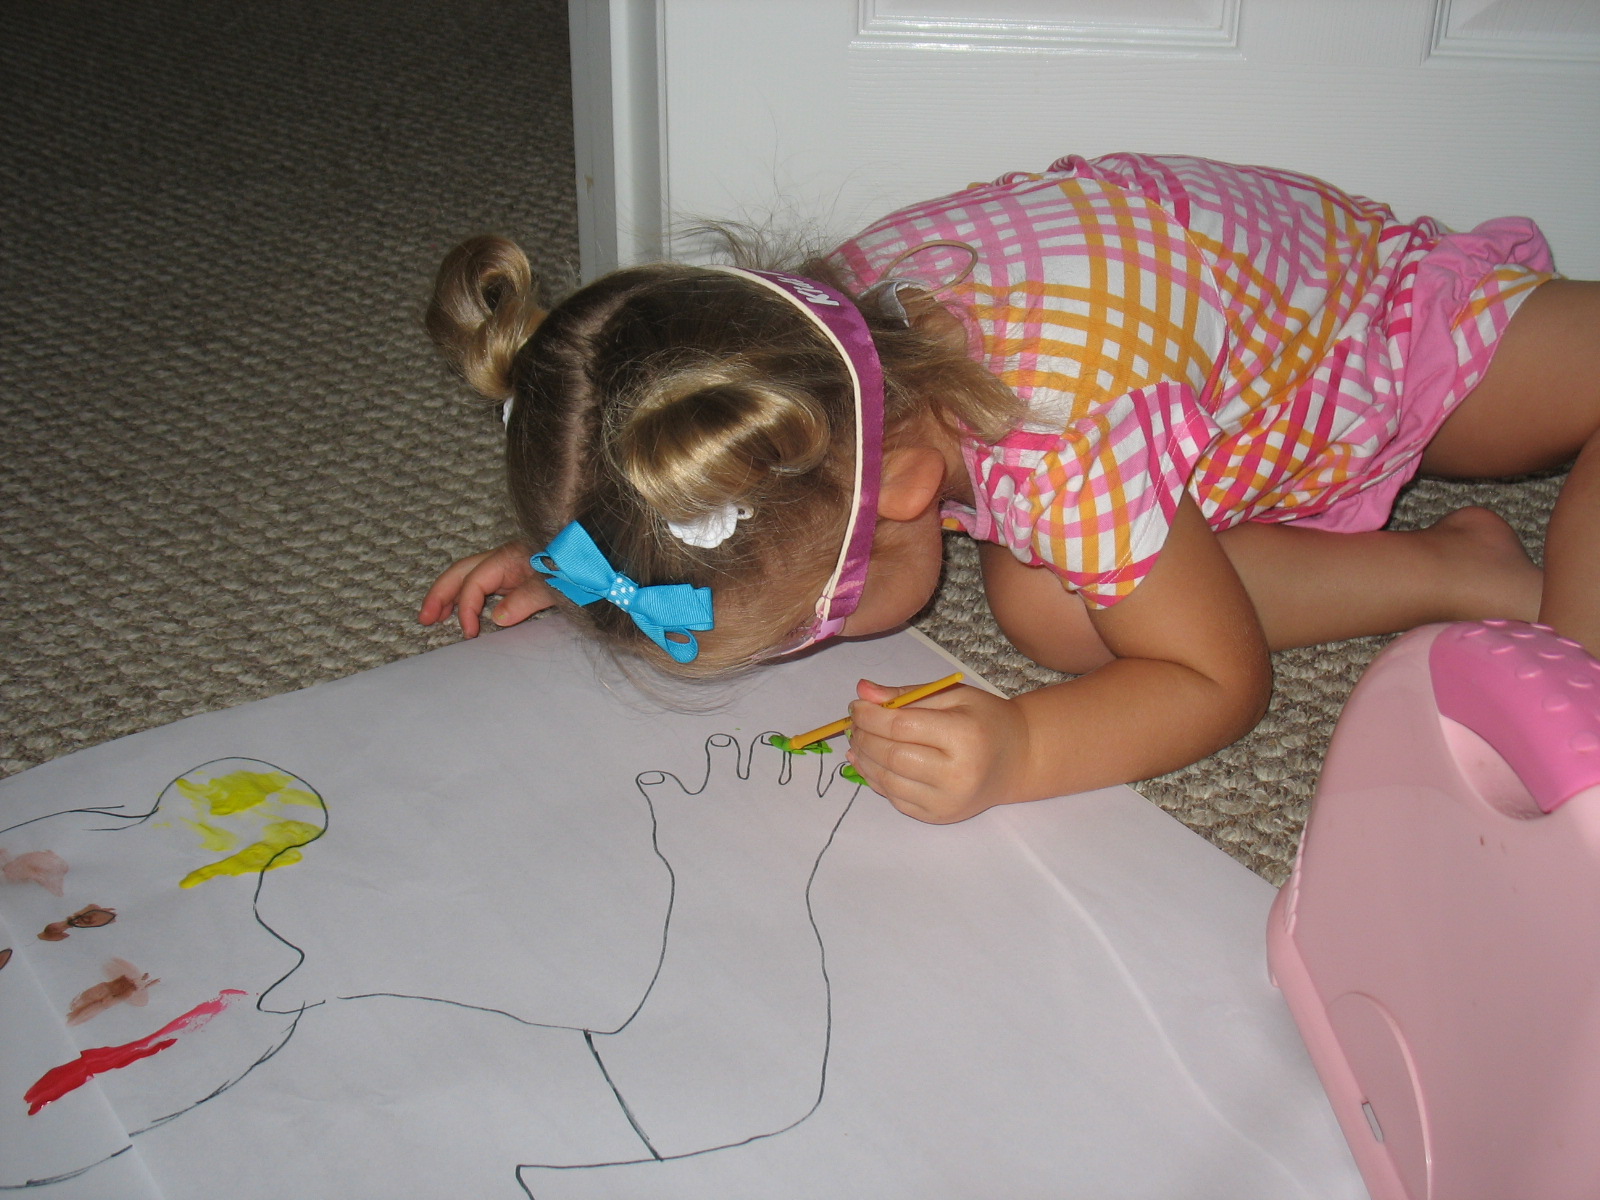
column 465, row 586
column 487, row 578
column 886, row 756
column 914, row 797
column 477, row 587
column 876, row 693
column 469, row 607
column 522, row 602
column 924, row 723
column 879, row 693
column 898, row 750
column 441, row 597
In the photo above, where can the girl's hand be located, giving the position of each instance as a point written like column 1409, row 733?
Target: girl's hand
column 942, row 759
column 503, row 572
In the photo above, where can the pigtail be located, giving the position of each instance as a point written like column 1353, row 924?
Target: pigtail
column 484, row 309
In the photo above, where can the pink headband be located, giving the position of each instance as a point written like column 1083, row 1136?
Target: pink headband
column 837, row 317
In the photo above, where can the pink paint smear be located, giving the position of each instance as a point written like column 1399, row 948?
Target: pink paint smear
column 44, row 867
column 58, row 1081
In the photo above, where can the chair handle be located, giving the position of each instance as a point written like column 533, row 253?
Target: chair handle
column 1533, row 695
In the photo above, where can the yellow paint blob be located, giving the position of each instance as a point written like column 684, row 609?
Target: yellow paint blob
column 241, row 813
column 278, row 847
column 240, row 790
column 212, row 837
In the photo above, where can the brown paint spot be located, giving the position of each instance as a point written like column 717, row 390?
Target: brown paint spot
column 92, row 916
column 125, row 984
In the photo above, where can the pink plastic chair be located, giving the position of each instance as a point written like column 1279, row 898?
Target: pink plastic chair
column 1439, row 939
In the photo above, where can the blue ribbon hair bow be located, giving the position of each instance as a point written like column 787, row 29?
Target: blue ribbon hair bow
column 578, row 569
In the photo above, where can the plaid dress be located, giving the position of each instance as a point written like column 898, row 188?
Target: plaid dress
column 1281, row 350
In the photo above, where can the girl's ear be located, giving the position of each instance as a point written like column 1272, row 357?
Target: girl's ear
column 913, row 477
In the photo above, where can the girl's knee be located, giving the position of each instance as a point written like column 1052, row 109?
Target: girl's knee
column 1073, row 653
column 1539, row 403
column 1039, row 616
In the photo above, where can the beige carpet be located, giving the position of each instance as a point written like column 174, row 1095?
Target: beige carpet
column 231, row 461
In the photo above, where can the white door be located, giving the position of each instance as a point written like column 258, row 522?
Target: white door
column 822, row 114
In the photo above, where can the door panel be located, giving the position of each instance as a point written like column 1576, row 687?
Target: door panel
column 821, row 114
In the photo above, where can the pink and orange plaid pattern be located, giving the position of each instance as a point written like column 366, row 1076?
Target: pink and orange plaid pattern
column 1176, row 324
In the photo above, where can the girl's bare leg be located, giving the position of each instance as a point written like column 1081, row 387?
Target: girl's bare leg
column 1539, row 406
column 1309, row 586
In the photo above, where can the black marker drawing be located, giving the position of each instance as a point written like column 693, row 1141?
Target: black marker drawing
column 697, row 1046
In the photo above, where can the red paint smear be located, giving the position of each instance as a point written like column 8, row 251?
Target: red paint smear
column 58, row 1081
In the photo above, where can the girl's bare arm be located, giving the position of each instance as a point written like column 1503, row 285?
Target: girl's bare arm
column 1191, row 674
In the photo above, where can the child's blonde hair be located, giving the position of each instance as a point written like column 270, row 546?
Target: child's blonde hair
column 664, row 393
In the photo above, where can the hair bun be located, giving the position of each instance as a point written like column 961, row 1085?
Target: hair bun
column 706, row 438
column 483, row 310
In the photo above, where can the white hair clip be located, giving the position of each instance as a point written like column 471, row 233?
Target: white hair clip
column 711, row 530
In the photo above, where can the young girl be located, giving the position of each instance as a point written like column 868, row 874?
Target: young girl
column 1173, row 398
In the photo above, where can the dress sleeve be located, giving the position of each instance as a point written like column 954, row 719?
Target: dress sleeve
column 1095, row 502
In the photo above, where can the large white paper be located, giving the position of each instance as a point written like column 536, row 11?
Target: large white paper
column 528, row 932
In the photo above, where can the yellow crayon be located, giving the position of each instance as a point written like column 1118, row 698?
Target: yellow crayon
column 796, row 744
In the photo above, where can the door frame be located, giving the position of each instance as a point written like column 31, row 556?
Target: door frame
column 618, row 133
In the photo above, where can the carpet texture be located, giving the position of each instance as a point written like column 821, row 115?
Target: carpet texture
column 232, row 463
